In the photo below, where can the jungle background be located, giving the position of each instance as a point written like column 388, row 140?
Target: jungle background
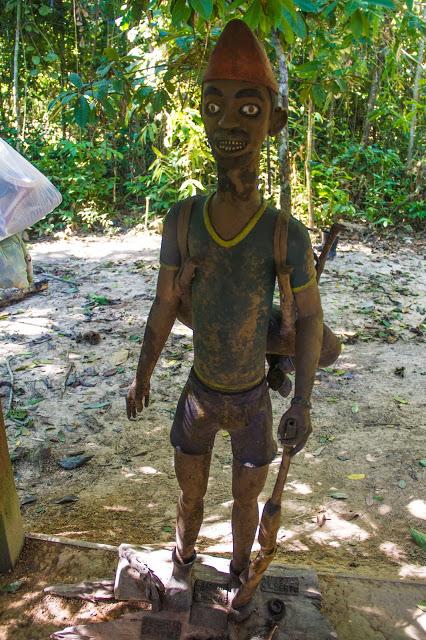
column 102, row 96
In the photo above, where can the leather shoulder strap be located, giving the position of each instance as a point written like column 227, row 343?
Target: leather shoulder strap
column 280, row 240
column 183, row 227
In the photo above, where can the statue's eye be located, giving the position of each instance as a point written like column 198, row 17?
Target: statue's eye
column 212, row 108
column 250, row 110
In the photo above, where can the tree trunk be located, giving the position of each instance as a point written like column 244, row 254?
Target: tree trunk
column 416, row 96
column 283, row 148
column 372, row 97
column 15, row 90
column 308, row 159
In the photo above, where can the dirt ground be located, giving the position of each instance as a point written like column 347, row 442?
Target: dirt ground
column 368, row 410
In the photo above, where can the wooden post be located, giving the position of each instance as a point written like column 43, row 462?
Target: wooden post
column 11, row 528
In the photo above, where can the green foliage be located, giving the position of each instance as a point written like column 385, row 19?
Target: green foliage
column 109, row 94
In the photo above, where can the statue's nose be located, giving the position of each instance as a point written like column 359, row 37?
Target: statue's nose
column 229, row 119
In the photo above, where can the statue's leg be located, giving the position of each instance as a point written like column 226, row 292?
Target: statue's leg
column 192, row 436
column 253, row 447
column 192, row 473
column 247, row 483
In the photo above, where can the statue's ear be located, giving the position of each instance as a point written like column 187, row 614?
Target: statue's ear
column 278, row 120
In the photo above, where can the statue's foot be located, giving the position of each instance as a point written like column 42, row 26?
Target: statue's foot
column 178, row 596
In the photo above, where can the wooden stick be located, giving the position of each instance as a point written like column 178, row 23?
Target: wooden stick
column 10, row 296
column 52, row 277
column 12, row 380
column 333, row 233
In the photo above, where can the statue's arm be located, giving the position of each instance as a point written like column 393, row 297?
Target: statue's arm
column 309, row 330
column 295, row 425
column 159, row 324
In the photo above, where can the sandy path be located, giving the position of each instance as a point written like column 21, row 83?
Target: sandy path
column 369, row 410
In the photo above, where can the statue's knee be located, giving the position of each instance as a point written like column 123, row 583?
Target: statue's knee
column 192, row 473
column 247, row 483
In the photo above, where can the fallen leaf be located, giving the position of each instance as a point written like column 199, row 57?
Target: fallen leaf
column 168, row 529
column 99, row 300
column 72, row 462
column 109, row 372
column 343, row 457
column 338, row 495
column 321, row 519
column 378, row 498
column 28, row 500
column 12, row 587
column 96, row 405
column 318, row 451
column 66, row 500
column 356, row 476
column 422, row 463
column 135, row 338
column 349, row 516
column 355, row 407
column 419, row 538
column 402, row 484
column 421, row 605
column 400, row 400
column 369, row 500
column 119, row 357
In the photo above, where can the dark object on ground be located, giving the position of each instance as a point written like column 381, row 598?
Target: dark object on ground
column 10, row 296
column 72, row 462
column 91, row 337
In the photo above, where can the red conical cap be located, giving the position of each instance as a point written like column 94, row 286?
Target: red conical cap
column 238, row 55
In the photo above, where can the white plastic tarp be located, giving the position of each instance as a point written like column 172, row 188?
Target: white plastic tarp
column 26, row 195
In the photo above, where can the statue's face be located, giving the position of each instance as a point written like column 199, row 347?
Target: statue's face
column 237, row 117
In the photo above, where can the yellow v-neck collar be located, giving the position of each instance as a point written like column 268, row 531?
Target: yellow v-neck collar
column 241, row 235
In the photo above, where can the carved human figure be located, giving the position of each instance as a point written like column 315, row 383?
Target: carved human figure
column 231, row 242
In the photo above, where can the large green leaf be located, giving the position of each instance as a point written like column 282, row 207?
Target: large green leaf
column 308, row 6
column 180, row 12
column 252, row 16
column 382, row 3
column 357, row 24
column 75, row 79
column 81, row 112
column 287, row 30
column 419, row 538
column 203, row 7
column 308, row 70
column 296, row 23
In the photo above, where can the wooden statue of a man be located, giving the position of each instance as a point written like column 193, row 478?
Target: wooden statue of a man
column 230, row 241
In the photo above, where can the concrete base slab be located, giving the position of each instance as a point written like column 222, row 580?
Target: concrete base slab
column 286, row 606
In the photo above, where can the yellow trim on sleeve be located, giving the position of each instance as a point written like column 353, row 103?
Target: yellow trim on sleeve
column 225, row 388
column 304, row 286
column 241, row 235
column 169, row 267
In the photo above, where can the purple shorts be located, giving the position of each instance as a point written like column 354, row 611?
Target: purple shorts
column 247, row 416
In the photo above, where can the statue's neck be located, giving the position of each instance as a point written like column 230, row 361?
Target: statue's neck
column 239, row 185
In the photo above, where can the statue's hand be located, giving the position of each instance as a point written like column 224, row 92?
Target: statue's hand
column 295, row 428
column 137, row 397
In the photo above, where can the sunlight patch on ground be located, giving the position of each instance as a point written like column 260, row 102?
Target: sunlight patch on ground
column 56, row 608
column 149, row 471
column 393, row 552
column 412, row 571
column 417, row 508
column 118, row 508
column 217, row 530
column 300, row 488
